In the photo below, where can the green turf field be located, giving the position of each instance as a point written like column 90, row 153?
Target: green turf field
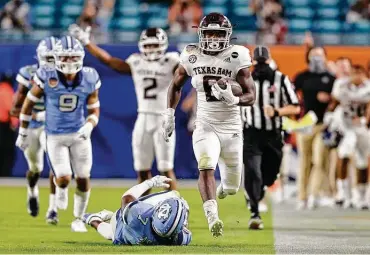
column 20, row 233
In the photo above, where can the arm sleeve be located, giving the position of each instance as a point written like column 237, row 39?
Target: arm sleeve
column 289, row 94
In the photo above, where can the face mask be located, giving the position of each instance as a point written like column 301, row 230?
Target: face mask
column 317, row 64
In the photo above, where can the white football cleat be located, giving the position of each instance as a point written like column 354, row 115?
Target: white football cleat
column 104, row 215
column 215, row 225
column 220, row 192
column 61, row 197
column 301, row 205
column 78, row 226
column 312, row 203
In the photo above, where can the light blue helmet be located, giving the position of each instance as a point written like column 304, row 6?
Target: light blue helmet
column 69, row 54
column 45, row 52
column 169, row 217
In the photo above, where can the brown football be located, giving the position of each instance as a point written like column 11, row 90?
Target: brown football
column 235, row 87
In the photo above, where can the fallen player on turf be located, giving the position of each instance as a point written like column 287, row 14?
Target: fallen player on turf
column 157, row 219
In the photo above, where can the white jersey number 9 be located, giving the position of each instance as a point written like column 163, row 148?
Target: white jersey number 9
column 68, row 103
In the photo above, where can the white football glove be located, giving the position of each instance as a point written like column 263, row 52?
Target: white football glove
column 85, row 131
column 82, row 35
column 328, row 118
column 40, row 116
column 168, row 124
column 225, row 95
column 22, row 139
column 159, row 181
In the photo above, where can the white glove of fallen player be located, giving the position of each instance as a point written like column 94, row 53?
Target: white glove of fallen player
column 82, row 35
column 22, row 139
column 159, row 181
column 168, row 124
column 225, row 95
column 85, row 131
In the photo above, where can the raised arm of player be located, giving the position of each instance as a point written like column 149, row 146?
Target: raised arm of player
column 136, row 191
column 244, row 78
column 83, row 36
column 116, row 64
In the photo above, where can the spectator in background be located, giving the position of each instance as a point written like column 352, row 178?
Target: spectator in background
column 7, row 125
column 183, row 15
column 314, row 85
column 359, row 11
column 271, row 25
column 14, row 16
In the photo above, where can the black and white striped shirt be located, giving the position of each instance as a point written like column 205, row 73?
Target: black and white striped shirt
column 276, row 91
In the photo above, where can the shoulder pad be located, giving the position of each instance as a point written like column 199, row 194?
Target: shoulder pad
column 90, row 74
column 172, row 56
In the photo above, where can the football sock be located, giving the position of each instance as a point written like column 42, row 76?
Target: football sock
column 52, row 203
column 33, row 192
column 81, row 199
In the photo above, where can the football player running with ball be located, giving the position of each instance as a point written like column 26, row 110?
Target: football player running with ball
column 152, row 70
column 217, row 138
column 68, row 90
column 157, row 219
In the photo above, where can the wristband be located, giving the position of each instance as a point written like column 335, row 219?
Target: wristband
column 24, row 117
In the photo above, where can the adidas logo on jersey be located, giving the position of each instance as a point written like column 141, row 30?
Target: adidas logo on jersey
column 227, row 60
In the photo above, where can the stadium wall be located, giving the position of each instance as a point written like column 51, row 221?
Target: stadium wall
column 112, row 138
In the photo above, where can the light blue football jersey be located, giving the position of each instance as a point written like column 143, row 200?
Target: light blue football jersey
column 133, row 227
column 65, row 102
column 24, row 77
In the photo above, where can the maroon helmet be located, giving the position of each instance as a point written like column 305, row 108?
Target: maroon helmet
column 214, row 32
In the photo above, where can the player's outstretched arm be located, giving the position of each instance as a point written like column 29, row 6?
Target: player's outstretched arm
column 244, row 78
column 116, row 64
column 84, row 37
column 136, row 191
column 19, row 97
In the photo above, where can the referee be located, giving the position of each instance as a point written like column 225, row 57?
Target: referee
column 263, row 141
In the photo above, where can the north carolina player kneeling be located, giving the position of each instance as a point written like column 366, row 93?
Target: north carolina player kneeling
column 157, row 219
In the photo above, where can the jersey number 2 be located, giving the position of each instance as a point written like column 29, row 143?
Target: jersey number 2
column 68, row 103
column 150, row 84
column 208, row 88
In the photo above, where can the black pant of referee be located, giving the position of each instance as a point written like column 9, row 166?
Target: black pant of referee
column 263, row 141
column 262, row 159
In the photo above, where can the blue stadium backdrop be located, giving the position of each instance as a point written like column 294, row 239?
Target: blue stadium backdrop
column 112, row 138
